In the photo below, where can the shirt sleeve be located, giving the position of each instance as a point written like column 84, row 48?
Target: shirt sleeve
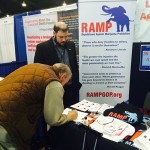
column 53, row 104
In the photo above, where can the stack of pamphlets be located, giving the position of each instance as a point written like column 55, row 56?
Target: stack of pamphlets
column 92, row 107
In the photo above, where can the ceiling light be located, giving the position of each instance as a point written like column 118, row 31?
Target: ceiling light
column 64, row 3
column 24, row 4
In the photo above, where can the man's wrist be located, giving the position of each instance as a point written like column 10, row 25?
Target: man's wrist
column 67, row 118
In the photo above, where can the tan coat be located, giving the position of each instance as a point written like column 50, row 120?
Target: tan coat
column 21, row 100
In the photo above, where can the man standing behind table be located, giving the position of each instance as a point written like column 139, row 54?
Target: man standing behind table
column 58, row 49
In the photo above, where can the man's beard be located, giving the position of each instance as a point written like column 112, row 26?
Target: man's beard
column 60, row 44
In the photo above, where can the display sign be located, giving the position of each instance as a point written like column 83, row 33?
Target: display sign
column 105, row 49
column 38, row 28
column 142, row 21
column 145, row 58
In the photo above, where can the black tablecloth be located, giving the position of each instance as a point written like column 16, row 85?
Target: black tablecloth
column 78, row 137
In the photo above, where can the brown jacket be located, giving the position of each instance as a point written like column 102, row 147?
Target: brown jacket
column 21, row 100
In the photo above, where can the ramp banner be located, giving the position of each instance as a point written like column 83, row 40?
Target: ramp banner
column 105, row 48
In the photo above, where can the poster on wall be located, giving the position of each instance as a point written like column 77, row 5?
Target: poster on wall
column 145, row 58
column 142, row 21
column 105, row 48
column 70, row 17
column 37, row 28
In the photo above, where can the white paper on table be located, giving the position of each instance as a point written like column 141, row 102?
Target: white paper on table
column 80, row 117
column 104, row 107
column 143, row 141
column 86, row 105
column 82, row 105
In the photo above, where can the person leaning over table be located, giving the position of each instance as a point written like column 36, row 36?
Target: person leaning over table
column 25, row 95
column 58, row 49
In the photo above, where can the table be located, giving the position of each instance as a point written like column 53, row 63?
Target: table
column 78, row 137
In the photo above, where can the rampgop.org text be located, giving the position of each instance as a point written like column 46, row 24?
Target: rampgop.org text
column 104, row 94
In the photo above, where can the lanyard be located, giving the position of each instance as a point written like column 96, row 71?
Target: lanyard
column 61, row 53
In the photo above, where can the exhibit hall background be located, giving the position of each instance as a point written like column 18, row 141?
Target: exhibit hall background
column 39, row 28
column 139, row 83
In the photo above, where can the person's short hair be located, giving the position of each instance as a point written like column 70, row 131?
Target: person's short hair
column 62, row 68
column 59, row 27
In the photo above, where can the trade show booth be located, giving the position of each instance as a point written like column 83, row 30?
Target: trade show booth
column 113, row 53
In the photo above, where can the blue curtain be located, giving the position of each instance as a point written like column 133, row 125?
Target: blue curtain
column 7, row 68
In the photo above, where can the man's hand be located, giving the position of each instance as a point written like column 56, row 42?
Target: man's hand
column 72, row 115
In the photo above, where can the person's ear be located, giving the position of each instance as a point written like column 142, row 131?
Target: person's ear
column 54, row 34
column 62, row 77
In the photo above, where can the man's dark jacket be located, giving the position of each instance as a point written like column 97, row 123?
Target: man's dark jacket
column 47, row 54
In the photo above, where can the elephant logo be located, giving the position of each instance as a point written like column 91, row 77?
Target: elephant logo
column 118, row 16
column 132, row 117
